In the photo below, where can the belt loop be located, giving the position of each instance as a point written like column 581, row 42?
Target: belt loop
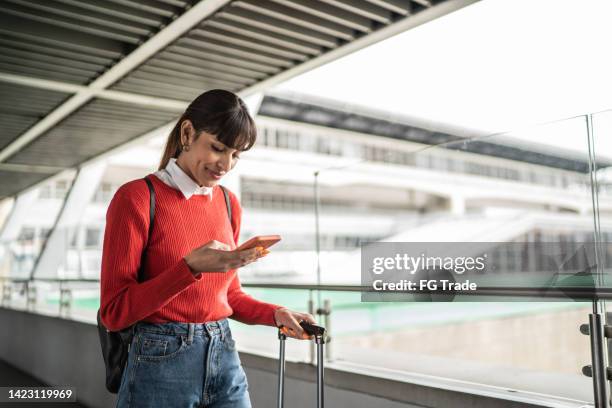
column 207, row 330
column 191, row 332
column 222, row 330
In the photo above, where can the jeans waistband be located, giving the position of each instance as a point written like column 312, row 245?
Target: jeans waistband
column 214, row 328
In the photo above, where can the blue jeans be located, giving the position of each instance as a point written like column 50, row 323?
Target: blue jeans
column 183, row 365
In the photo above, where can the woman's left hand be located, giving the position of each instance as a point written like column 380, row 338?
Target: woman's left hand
column 290, row 320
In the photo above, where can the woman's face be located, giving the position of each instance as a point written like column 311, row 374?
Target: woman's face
column 207, row 160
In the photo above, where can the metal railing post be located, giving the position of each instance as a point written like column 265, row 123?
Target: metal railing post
column 311, row 346
column 30, row 296
column 327, row 324
column 281, row 371
column 320, row 341
column 65, row 300
column 7, row 293
column 599, row 371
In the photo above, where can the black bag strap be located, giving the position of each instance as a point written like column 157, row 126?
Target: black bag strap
column 151, row 217
column 151, row 205
column 227, row 203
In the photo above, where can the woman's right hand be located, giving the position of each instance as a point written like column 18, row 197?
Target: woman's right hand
column 215, row 256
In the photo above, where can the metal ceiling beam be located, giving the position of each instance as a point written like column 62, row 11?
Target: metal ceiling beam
column 424, row 3
column 196, row 66
column 158, row 8
column 41, row 83
column 201, row 75
column 298, row 18
column 118, row 10
column 75, row 55
column 178, row 52
column 144, row 100
column 155, row 44
column 397, row 6
column 151, row 101
column 236, row 51
column 23, row 56
column 221, row 37
column 248, row 18
column 362, row 42
column 13, row 26
column 28, row 168
column 364, row 9
column 330, row 13
column 263, row 35
column 43, row 16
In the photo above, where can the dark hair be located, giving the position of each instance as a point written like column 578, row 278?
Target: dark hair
column 218, row 112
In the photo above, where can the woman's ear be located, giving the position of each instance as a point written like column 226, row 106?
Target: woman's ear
column 187, row 133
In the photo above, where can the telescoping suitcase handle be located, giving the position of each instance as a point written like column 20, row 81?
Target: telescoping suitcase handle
column 319, row 338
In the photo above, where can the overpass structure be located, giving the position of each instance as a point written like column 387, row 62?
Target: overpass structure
column 79, row 79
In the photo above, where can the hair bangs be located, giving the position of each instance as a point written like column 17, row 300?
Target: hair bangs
column 236, row 130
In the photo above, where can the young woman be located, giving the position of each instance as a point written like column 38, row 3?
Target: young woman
column 183, row 354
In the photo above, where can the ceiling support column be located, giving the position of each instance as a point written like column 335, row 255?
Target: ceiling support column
column 54, row 252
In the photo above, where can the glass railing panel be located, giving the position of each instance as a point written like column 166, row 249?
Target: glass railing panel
column 529, row 186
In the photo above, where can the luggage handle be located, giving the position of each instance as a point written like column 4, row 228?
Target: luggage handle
column 319, row 337
column 314, row 330
column 310, row 329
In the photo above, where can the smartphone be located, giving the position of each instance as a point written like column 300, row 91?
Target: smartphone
column 265, row 241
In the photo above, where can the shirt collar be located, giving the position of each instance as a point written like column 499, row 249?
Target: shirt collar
column 184, row 183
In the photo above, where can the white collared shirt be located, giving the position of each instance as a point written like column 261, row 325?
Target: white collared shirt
column 176, row 178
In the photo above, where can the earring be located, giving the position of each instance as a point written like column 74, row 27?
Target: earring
column 185, row 148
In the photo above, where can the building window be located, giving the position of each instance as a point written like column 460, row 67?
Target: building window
column 282, row 139
column 104, row 193
column 61, row 188
column 26, row 234
column 92, row 238
column 45, row 191
column 75, row 239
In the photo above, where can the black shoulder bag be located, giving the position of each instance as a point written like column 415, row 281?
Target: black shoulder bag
column 116, row 345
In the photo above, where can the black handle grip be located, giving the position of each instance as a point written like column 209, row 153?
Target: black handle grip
column 312, row 329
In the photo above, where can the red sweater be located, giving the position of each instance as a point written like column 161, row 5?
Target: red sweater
column 170, row 292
